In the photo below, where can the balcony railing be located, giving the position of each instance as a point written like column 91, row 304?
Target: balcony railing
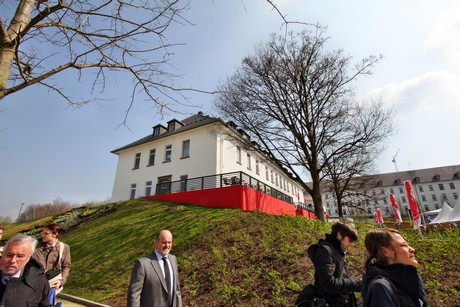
column 219, row 181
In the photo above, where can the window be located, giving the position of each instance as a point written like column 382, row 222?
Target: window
column 238, row 154
column 427, row 208
column 452, row 185
column 403, row 198
column 257, row 167
column 276, row 180
column 156, row 131
column 132, row 194
column 171, row 126
column 430, row 187
column 186, row 149
column 455, row 195
column 401, row 191
column 168, row 153
column 266, row 173
column 433, row 197
column 248, row 159
column 420, row 188
column 444, row 196
column 436, row 206
column 392, row 191
column 423, row 198
column 271, row 174
column 152, row 157
column 137, row 160
column 183, row 183
column 148, row 188
column 441, row 186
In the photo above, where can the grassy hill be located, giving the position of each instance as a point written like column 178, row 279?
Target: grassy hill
column 227, row 257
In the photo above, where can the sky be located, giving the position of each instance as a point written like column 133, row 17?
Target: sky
column 49, row 151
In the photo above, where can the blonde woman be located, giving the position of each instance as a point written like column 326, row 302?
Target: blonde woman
column 391, row 278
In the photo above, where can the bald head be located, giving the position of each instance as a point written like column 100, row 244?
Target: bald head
column 163, row 242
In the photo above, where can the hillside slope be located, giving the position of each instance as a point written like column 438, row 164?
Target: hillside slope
column 228, row 257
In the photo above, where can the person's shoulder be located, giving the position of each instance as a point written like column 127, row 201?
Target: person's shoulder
column 379, row 283
column 148, row 257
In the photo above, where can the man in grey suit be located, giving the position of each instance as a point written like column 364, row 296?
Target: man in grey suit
column 154, row 278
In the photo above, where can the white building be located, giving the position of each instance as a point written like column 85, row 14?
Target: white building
column 431, row 187
column 195, row 147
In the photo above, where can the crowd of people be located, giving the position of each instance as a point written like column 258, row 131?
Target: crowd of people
column 390, row 279
column 33, row 272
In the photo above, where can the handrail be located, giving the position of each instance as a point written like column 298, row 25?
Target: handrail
column 219, row 181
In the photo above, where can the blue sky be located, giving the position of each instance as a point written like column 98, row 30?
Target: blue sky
column 48, row 150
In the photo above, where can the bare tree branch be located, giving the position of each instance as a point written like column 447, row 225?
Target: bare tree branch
column 296, row 100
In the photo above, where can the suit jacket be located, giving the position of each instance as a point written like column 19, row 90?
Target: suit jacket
column 147, row 287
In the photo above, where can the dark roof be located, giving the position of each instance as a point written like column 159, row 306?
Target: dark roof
column 189, row 123
column 427, row 175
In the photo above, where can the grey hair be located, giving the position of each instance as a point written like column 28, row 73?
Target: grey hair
column 22, row 240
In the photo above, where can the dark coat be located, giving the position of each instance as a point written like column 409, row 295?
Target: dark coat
column 331, row 273
column 31, row 289
column 382, row 279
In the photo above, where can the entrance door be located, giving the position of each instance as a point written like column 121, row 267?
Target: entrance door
column 164, row 185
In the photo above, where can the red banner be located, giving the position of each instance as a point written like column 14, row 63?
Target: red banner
column 379, row 217
column 413, row 204
column 395, row 207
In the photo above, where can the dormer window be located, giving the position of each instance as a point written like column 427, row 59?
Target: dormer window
column 436, row 178
column 171, row 126
column 156, row 131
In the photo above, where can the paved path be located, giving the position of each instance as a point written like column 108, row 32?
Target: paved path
column 73, row 301
column 69, row 304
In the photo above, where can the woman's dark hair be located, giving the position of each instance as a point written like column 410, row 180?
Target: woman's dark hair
column 54, row 228
column 375, row 240
column 346, row 230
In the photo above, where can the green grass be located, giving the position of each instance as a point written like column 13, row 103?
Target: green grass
column 227, row 257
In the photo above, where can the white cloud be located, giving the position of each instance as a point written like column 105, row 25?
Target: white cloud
column 437, row 91
column 445, row 36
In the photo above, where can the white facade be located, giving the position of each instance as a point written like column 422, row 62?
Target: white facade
column 214, row 147
column 431, row 187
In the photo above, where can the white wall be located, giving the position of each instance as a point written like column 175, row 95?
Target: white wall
column 211, row 152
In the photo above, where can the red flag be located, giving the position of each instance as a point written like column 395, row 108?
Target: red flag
column 413, row 204
column 379, row 217
column 396, row 211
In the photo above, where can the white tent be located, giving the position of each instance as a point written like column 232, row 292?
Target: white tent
column 443, row 215
column 454, row 215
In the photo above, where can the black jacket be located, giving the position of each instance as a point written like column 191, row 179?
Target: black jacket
column 382, row 279
column 331, row 273
column 31, row 289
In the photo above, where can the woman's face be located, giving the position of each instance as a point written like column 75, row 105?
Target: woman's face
column 400, row 251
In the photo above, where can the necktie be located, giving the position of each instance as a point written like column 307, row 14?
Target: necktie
column 168, row 279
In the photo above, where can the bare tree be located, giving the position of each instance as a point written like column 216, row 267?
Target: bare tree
column 5, row 220
column 348, row 166
column 36, row 211
column 89, row 40
column 296, row 100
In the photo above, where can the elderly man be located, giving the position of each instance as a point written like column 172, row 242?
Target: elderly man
column 23, row 282
column 154, row 278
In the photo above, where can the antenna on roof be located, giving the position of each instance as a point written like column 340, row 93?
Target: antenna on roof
column 394, row 159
